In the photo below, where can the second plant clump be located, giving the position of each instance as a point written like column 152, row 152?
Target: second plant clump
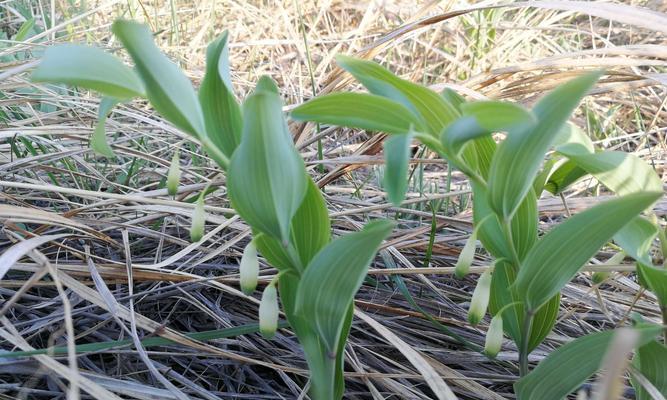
column 522, row 288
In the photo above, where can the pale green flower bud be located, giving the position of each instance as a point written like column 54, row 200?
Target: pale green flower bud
column 198, row 219
column 480, row 298
column 268, row 312
column 174, row 175
column 249, row 268
column 466, row 256
column 494, row 336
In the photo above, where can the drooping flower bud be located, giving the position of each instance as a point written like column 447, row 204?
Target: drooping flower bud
column 198, row 219
column 174, row 175
column 249, row 268
column 494, row 336
column 268, row 311
column 466, row 256
column 480, row 298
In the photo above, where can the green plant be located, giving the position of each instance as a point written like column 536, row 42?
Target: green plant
column 267, row 183
column 522, row 289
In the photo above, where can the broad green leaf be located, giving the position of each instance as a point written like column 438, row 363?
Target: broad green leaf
column 433, row 109
column 656, row 280
column 496, row 116
column 90, row 68
column 557, row 257
column 565, row 369
column 267, row 180
column 397, row 161
column 520, row 155
column 650, row 360
column 621, row 172
column 222, row 114
column 98, row 140
column 333, row 277
column 169, row 91
column 359, row 110
column 504, row 275
column 636, row 238
column 566, row 172
column 310, row 232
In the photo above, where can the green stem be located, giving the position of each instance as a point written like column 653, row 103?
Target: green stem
column 215, row 152
column 507, row 230
column 525, row 341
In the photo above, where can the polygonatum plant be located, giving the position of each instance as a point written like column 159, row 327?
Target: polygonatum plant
column 507, row 175
column 266, row 180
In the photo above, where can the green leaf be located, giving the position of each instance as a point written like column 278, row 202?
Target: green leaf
column 566, row 368
column 267, row 180
column 169, row 91
column 565, row 174
column 332, row 278
column 621, row 172
column 636, row 238
column 496, row 116
column 433, row 109
column 90, row 68
column 520, row 155
column 557, row 257
column 310, row 232
column 397, row 160
column 359, row 110
column 650, row 360
column 98, row 140
column 222, row 114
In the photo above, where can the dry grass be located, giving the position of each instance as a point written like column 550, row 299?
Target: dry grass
column 116, row 223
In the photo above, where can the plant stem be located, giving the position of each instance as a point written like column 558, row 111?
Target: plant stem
column 507, row 230
column 525, row 341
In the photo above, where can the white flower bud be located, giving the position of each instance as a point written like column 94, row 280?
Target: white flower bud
column 480, row 298
column 174, row 175
column 198, row 219
column 268, row 312
column 249, row 268
column 494, row 336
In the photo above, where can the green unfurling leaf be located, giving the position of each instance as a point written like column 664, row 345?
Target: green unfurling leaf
column 267, row 180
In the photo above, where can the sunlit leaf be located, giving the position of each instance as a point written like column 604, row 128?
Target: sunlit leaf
column 556, row 258
column 359, row 110
column 650, row 360
column 90, row 68
column 433, row 109
column 520, row 155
